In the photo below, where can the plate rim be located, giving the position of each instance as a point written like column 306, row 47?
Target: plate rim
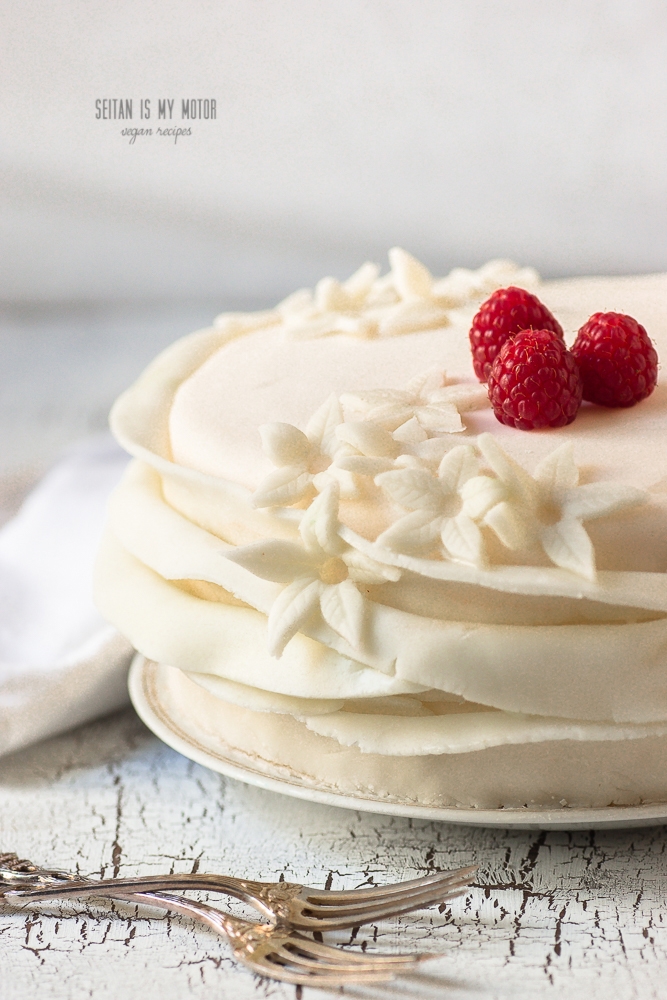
column 157, row 719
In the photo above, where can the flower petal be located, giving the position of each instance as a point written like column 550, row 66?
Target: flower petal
column 363, row 569
column 319, row 524
column 290, row 610
column 343, row 609
column 410, row 317
column 415, row 532
column 432, row 450
column 388, row 407
column 457, row 467
column 464, row 396
column 273, row 559
column 321, row 427
column 480, row 494
column 463, row 539
column 442, row 418
column 415, row 489
column 408, row 461
column 368, row 438
column 390, row 415
column 299, row 327
column 509, row 526
column 315, row 324
column 341, row 477
column 365, row 399
column 509, row 471
column 284, row 444
column 558, row 471
column 296, row 303
column 411, row 432
column 360, row 283
column 282, row 487
column 362, row 466
column 330, row 295
column 410, row 278
column 422, row 386
column 567, row 544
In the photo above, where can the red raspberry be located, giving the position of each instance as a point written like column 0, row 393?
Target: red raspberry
column 618, row 363
column 535, row 382
column 506, row 312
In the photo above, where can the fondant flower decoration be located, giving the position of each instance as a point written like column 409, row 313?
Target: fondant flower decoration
column 369, row 449
column 238, row 324
column 425, row 407
column 303, row 459
column 334, row 307
column 406, row 300
column 321, row 575
column 462, row 286
column 443, row 509
column 547, row 510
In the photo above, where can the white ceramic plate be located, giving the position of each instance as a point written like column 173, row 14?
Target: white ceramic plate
column 144, row 684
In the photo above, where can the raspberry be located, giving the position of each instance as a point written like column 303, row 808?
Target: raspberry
column 535, row 382
column 506, row 312
column 618, row 363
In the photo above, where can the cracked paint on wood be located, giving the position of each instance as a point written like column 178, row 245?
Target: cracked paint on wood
column 555, row 915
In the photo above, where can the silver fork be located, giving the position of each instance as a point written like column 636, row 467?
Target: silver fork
column 286, row 903
column 277, row 952
column 274, row 950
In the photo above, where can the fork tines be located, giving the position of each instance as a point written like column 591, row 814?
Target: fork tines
column 301, row 956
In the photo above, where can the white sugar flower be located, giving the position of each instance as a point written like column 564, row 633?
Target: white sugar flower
column 415, row 283
column 365, row 305
column 462, row 286
column 402, row 302
column 368, row 449
column 304, row 460
column 426, row 406
column 412, row 281
column 320, row 574
column 334, row 307
column 547, row 510
column 443, row 508
column 406, row 300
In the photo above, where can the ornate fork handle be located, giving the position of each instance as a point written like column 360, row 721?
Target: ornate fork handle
column 242, row 934
column 21, row 880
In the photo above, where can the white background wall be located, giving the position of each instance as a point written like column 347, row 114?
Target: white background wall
column 535, row 129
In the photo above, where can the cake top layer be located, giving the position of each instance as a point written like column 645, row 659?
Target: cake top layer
column 267, row 376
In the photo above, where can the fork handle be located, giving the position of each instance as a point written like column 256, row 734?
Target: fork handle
column 232, row 928
column 217, row 920
column 66, row 886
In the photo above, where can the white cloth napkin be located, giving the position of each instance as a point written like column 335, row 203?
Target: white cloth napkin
column 61, row 664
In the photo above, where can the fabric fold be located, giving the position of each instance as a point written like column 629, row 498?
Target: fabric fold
column 61, row 663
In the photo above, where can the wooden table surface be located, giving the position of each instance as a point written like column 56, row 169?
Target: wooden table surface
column 571, row 915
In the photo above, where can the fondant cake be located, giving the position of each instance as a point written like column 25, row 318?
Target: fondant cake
column 358, row 574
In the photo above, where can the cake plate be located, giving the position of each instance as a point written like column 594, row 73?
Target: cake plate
column 145, row 694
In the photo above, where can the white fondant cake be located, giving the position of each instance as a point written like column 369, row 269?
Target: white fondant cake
column 366, row 578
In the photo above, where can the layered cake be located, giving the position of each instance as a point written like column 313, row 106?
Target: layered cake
column 351, row 572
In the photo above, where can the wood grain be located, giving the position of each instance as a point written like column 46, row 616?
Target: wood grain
column 571, row 915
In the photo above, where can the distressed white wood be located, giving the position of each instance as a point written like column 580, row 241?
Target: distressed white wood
column 554, row 914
